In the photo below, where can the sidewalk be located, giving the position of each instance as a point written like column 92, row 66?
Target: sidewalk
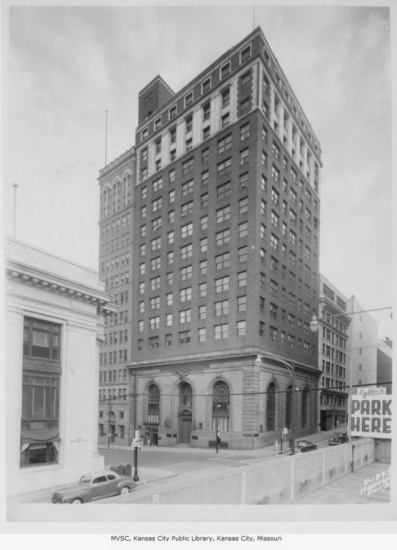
column 262, row 452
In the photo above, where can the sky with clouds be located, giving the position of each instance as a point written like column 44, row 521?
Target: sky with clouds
column 67, row 66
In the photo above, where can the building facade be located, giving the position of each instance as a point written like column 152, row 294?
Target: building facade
column 116, row 182
column 54, row 319
column 363, row 344
column 225, row 256
column 332, row 352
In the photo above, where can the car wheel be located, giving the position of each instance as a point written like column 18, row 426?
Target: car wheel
column 77, row 501
column 125, row 491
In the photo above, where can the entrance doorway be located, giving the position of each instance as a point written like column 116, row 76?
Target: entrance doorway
column 185, row 413
column 186, row 430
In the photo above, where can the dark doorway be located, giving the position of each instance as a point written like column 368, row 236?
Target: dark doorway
column 186, row 430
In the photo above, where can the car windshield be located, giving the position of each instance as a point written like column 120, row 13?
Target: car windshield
column 85, row 479
column 302, row 443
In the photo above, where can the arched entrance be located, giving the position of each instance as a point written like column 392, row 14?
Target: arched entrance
column 185, row 412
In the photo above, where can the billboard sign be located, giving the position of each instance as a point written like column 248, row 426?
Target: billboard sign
column 371, row 413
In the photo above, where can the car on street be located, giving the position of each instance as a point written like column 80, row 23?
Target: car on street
column 304, row 446
column 338, row 438
column 94, row 486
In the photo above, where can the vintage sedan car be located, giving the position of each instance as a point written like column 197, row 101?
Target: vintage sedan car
column 338, row 438
column 93, row 487
column 303, row 446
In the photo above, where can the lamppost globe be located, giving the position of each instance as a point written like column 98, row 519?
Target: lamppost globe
column 314, row 324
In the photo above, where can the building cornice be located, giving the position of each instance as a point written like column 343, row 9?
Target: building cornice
column 47, row 281
column 225, row 355
column 117, row 163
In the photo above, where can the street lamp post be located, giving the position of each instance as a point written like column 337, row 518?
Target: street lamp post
column 136, row 476
column 218, row 433
column 291, row 370
column 109, row 416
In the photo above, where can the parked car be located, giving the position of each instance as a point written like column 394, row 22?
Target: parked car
column 304, row 446
column 338, row 438
column 94, row 487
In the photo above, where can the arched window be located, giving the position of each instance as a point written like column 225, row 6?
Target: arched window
column 220, row 406
column 305, row 403
column 271, row 408
column 288, row 408
column 153, row 404
column 186, row 396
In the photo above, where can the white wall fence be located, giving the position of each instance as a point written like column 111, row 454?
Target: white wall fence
column 278, row 481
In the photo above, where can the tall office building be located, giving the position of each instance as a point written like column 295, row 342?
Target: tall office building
column 333, row 356
column 225, row 257
column 116, row 181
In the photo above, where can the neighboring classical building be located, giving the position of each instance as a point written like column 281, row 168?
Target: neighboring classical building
column 225, row 257
column 116, row 182
column 54, row 318
column 332, row 356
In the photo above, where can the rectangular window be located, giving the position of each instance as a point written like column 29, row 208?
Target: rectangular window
column 242, row 279
column 222, row 284
column 241, row 328
column 203, row 267
column 224, row 144
column 184, row 337
column 245, row 106
column 245, row 131
column 243, row 205
column 223, row 237
column 202, row 334
column 242, row 254
column 225, row 95
column 223, row 214
column 186, row 273
column 188, row 166
column 222, row 308
column 244, row 155
column 204, row 200
column 187, row 208
column 221, row 331
column 245, row 54
column 154, row 323
column 203, row 290
column 225, row 71
column 244, row 180
column 242, row 303
column 186, row 251
column 156, row 224
column 185, row 316
column 202, row 312
column 224, row 167
column 204, row 223
column 187, row 187
column 222, row 261
column 203, row 245
column 206, row 111
column 185, row 294
column 223, row 191
column 206, row 86
column 187, row 230
column 243, row 229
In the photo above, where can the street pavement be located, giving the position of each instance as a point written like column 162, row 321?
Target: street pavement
column 158, row 466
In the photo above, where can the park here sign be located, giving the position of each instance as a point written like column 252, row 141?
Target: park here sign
column 371, row 413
